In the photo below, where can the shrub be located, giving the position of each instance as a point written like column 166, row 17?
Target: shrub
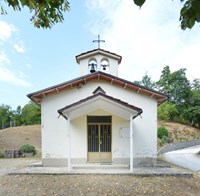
column 27, row 148
column 1, row 155
column 162, row 132
column 167, row 111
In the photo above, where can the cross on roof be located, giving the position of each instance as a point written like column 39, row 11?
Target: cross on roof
column 99, row 41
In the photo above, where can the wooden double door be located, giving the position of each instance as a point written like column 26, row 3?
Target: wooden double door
column 99, row 139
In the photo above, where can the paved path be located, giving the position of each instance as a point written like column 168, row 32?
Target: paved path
column 12, row 165
column 186, row 158
column 22, row 166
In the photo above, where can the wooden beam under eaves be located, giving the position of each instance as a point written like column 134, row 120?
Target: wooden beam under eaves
column 152, row 95
column 125, row 85
column 138, row 91
column 57, row 90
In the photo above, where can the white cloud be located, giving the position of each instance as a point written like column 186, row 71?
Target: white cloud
column 19, row 47
column 6, row 30
column 9, row 76
column 4, row 60
column 148, row 38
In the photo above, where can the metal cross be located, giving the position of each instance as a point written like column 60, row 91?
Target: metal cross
column 98, row 41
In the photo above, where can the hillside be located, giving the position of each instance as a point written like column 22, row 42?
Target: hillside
column 181, row 132
column 14, row 137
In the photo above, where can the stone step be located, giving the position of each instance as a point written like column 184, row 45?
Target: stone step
column 100, row 167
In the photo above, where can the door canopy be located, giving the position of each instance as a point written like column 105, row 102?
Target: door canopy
column 100, row 100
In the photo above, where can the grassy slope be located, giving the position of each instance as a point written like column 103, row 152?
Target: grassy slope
column 13, row 138
column 181, row 132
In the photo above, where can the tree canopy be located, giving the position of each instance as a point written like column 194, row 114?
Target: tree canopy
column 30, row 114
column 184, row 103
column 45, row 13
column 189, row 14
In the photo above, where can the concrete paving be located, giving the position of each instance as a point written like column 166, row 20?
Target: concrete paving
column 116, row 170
column 186, row 158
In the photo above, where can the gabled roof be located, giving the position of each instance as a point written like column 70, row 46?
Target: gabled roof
column 87, row 102
column 98, row 51
column 99, row 76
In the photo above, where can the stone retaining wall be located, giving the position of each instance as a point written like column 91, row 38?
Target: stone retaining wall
column 12, row 154
column 178, row 145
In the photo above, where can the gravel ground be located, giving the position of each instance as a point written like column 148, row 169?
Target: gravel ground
column 93, row 185
column 97, row 185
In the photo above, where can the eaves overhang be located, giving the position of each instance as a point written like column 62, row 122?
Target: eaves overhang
column 98, row 51
column 98, row 76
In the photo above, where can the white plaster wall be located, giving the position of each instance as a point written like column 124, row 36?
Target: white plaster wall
column 79, row 137
column 120, row 145
column 54, row 129
column 113, row 65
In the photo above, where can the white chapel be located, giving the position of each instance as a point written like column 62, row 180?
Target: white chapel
column 98, row 117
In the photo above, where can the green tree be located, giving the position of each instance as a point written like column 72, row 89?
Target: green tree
column 5, row 116
column 31, row 114
column 192, row 113
column 45, row 13
column 167, row 111
column 147, row 82
column 189, row 14
column 196, row 84
column 17, row 119
column 180, row 88
column 164, row 83
column 176, row 85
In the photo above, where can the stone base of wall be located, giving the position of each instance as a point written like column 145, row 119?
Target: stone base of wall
column 54, row 162
column 144, row 162
column 137, row 162
column 62, row 162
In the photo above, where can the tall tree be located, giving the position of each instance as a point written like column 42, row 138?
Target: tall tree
column 196, row 84
column 189, row 14
column 176, row 85
column 147, row 82
column 164, row 83
column 17, row 121
column 180, row 88
column 5, row 116
column 31, row 114
column 192, row 113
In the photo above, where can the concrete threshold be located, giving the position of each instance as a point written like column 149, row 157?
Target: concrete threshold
column 102, row 170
